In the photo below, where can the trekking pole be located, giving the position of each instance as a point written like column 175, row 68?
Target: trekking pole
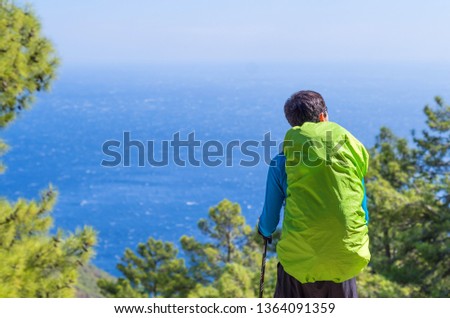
column 263, row 269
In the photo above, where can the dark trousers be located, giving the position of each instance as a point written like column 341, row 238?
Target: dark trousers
column 289, row 287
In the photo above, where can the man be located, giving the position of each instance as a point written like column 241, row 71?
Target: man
column 320, row 176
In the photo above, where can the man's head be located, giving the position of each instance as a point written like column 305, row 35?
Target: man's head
column 305, row 106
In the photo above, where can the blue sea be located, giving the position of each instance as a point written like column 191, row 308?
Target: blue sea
column 59, row 140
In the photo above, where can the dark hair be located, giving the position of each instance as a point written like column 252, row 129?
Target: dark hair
column 304, row 106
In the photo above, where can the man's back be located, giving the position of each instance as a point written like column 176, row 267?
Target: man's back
column 324, row 235
column 324, row 241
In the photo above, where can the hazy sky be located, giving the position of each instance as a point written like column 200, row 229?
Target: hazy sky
column 146, row 31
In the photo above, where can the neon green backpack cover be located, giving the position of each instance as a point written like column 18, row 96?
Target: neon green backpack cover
column 324, row 234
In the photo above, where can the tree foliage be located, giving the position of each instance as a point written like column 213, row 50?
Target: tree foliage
column 234, row 281
column 35, row 263
column 433, row 145
column 224, row 264
column 226, row 231
column 408, row 192
column 371, row 285
column 27, row 59
column 154, row 270
column 121, row 288
column 27, row 62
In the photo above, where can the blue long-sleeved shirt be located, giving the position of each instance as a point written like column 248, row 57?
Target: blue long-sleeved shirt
column 276, row 188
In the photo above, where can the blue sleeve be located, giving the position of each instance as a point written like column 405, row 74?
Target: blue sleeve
column 364, row 202
column 275, row 195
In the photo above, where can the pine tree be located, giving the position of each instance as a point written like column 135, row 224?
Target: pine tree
column 34, row 263
column 408, row 201
column 434, row 145
column 226, row 266
column 433, row 160
column 226, row 233
column 235, row 281
column 371, row 285
column 120, row 288
column 27, row 62
column 228, row 263
column 388, row 183
column 27, row 59
column 154, row 271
